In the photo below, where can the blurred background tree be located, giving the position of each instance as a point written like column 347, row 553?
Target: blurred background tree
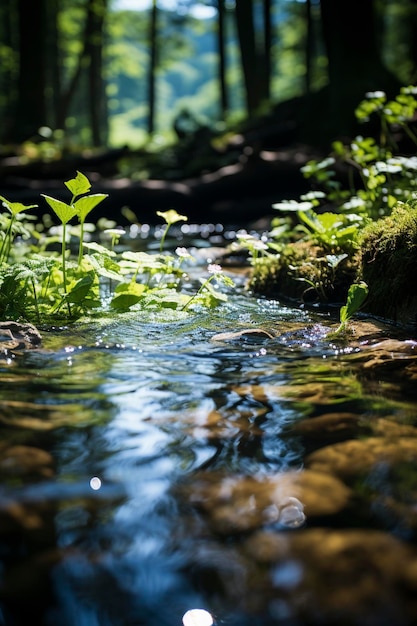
column 104, row 73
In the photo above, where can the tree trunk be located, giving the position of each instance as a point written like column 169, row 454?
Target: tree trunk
column 255, row 52
column 354, row 60
column 309, row 50
column 153, row 43
column 8, row 29
column 247, row 43
column 221, row 38
column 265, row 55
column 30, row 111
column 96, row 88
column 53, row 67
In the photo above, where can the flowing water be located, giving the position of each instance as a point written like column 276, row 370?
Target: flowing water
column 151, row 468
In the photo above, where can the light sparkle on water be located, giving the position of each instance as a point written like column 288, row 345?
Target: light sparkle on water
column 95, row 483
column 197, row 617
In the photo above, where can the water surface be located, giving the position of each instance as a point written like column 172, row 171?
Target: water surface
column 148, row 468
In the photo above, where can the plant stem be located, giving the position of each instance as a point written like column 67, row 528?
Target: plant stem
column 64, row 269
column 36, row 301
column 6, row 245
column 206, row 282
column 80, row 248
column 164, row 234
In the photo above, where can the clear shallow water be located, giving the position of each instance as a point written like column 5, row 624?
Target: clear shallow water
column 165, row 476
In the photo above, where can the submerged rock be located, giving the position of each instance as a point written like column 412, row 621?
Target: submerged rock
column 328, row 428
column 325, row 576
column 244, row 503
column 24, row 461
column 350, row 459
column 16, row 336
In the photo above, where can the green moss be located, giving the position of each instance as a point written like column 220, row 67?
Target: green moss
column 389, row 265
column 304, row 272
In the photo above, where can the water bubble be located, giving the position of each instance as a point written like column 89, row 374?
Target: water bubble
column 292, row 513
column 95, row 483
column 197, row 617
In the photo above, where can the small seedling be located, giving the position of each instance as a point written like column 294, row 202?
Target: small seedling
column 171, row 217
column 357, row 295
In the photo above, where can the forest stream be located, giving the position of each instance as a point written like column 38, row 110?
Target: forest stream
column 236, row 461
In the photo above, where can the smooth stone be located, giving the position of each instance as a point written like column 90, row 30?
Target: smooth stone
column 243, row 503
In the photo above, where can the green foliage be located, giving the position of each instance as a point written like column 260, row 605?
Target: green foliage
column 357, row 295
column 355, row 186
column 41, row 286
column 15, row 209
column 377, row 177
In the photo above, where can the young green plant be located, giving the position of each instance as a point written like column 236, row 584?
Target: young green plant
column 78, row 186
column 171, row 217
column 15, row 208
column 357, row 295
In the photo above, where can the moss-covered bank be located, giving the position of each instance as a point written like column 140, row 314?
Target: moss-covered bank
column 389, row 265
column 306, row 273
column 386, row 260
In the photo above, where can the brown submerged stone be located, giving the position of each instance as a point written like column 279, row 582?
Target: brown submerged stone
column 350, row 459
column 245, row 503
column 328, row 428
column 19, row 461
column 325, row 576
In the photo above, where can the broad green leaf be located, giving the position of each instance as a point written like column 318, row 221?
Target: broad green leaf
column 78, row 185
column 96, row 247
column 84, row 205
column 16, row 207
column 65, row 212
column 104, row 266
column 127, row 295
column 356, row 297
column 79, row 291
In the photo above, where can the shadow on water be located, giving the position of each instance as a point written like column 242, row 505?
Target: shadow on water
column 150, row 468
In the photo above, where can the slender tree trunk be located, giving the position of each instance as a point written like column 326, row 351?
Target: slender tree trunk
column 309, row 47
column 354, row 60
column 265, row 56
column 8, row 36
column 255, row 54
column 53, row 67
column 31, row 111
column 221, row 39
column 153, row 44
column 246, row 34
column 96, row 86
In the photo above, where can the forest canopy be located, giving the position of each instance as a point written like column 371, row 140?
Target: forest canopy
column 92, row 73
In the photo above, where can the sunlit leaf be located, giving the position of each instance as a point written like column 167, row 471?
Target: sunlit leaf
column 16, row 207
column 65, row 212
column 78, row 185
column 171, row 216
column 356, row 297
column 79, row 291
column 127, row 294
column 86, row 204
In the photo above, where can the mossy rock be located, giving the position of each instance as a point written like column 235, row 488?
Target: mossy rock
column 389, row 265
column 304, row 272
